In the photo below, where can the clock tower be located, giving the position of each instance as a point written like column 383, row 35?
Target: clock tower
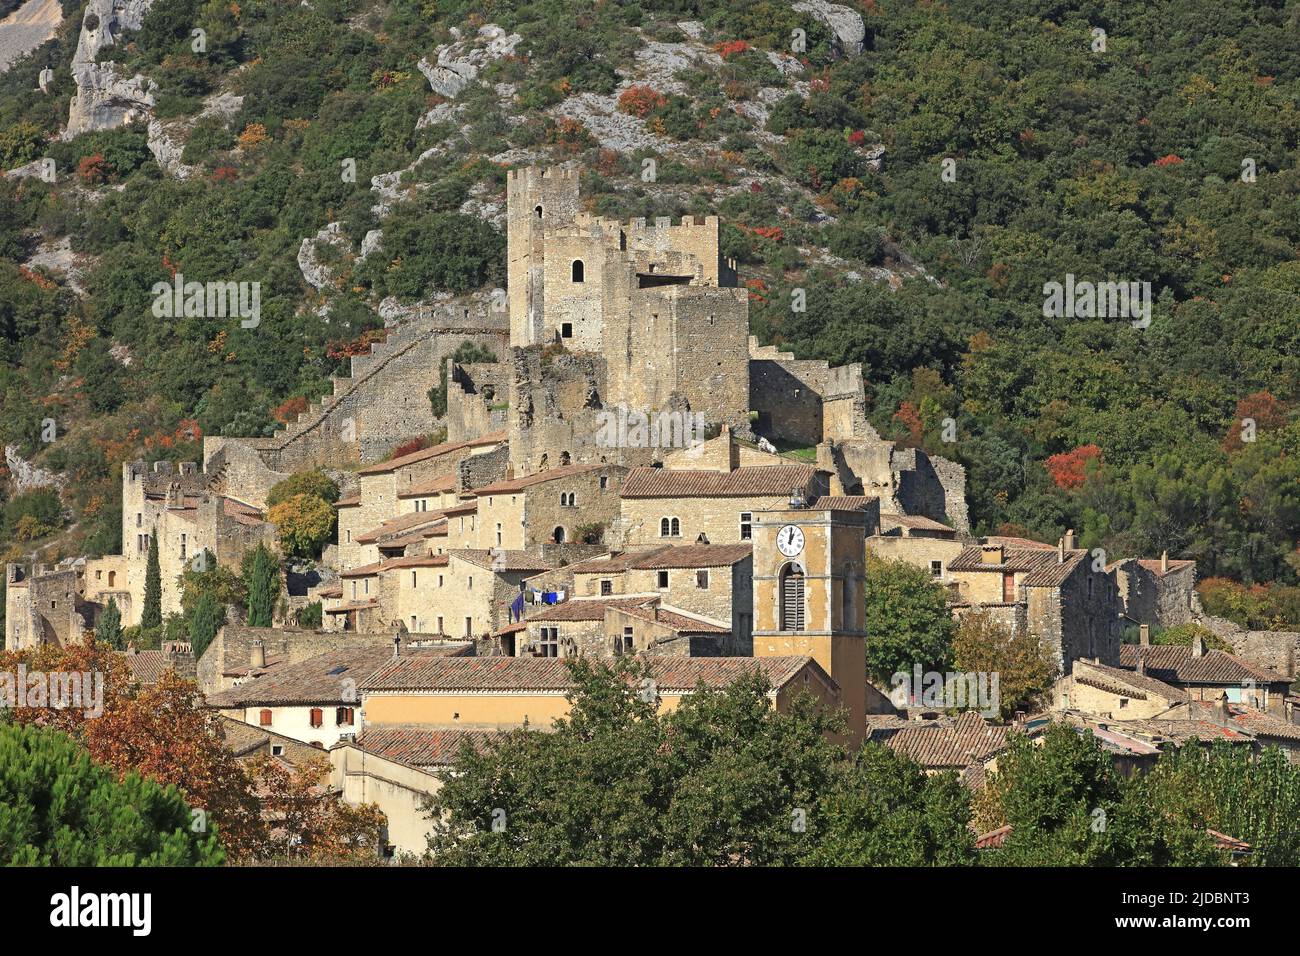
column 810, row 596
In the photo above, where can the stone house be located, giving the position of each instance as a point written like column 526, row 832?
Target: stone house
column 1115, row 693
column 555, row 506
column 502, row 693
column 1160, row 593
column 397, row 768
column 663, row 506
column 1207, row 675
column 314, row 700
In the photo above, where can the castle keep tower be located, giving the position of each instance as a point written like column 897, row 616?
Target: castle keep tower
column 536, row 200
column 810, row 596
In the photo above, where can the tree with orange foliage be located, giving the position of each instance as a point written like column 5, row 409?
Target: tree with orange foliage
column 306, row 821
column 163, row 734
column 1070, row 469
column 1261, row 411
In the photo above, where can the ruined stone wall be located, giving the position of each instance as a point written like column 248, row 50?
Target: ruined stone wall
column 1275, row 650
column 478, row 397
column 555, row 400
column 543, row 512
column 476, row 471
column 235, row 467
column 232, row 648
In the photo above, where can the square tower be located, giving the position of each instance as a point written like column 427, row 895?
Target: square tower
column 810, row 596
column 537, row 202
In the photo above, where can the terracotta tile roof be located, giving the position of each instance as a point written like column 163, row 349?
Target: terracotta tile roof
column 1013, row 559
column 1153, row 565
column 417, row 561
column 434, row 486
column 1178, row 732
column 241, row 513
column 353, row 606
column 1054, row 574
column 1175, row 664
column 422, row 746
column 1253, row 721
column 352, row 502
column 694, row 556
column 951, row 744
column 671, row 674
column 680, row 623
column 363, row 570
column 1126, row 683
column 403, row 522
column 494, row 438
column 750, row 481
column 920, row 522
column 330, row 593
column 993, row 839
column 327, row 678
column 527, row 481
column 588, row 609
column 242, row 739
column 612, row 563
column 505, row 560
column 146, row 666
column 843, row 502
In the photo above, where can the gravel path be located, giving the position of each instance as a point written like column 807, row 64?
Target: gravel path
column 27, row 28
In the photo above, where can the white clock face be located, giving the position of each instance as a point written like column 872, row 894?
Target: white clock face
column 789, row 540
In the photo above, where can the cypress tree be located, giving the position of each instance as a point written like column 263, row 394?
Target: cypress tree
column 262, row 578
column 204, row 621
column 109, row 626
column 151, row 616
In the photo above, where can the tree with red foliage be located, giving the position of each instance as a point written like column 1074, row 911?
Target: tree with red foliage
column 1070, row 469
column 1261, row 408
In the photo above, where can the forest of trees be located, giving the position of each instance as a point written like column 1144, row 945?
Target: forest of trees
column 1169, row 158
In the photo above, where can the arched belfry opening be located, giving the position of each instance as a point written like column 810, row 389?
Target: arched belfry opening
column 792, row 597
column 579, row 271
column 537, row 211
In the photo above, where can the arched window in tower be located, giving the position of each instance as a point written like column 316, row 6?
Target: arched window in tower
column 538, row 211
column 848, row 598
column 792, row 598
column 579, row 271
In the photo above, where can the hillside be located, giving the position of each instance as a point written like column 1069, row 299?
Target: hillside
column 350, row 156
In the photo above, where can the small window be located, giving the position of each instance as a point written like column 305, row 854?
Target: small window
column 470, row 579
column 677, row 528
column 702, row 579
column 317, row 717
column 606, row 586
column 1123, row 702
column 277, row 750
column 440, row 630
column 558, row 535
column 469, row 627
column 746, row 526
column 549, row 646
column 665, row 527
column 629, row 640
column 579, row 271
column 413, row 578
column 663, row 580
column 566, row 330
column 604, row 482
column 264, row 718
column 936, row 569
column 537, row 211
column 343, row 717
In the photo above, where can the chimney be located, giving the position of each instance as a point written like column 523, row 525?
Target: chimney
column 1060, row 550
column 1142, row 663
column 1164, row 562
column 991, row 554
column 1069, row 540
column 130, row 649
column 1222, row 713
column 397, row 644
column 1145, row 632
column 1198, row 645
column 257, row 654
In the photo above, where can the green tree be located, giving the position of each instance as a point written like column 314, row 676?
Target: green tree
column 908, row 621
column 1025, row 670
column 65, row 810
column 315, row 483
column 151, row 614
column 203, row 623
column 723, row 780
column 1068, row 806
column 109, row 626
column 261, row 573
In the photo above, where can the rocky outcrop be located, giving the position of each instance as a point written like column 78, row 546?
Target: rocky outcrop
column 845, row 23
column 105, row 100
column 167, row 150
column 316, row 273
column 456, row 64
column 25, row 476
